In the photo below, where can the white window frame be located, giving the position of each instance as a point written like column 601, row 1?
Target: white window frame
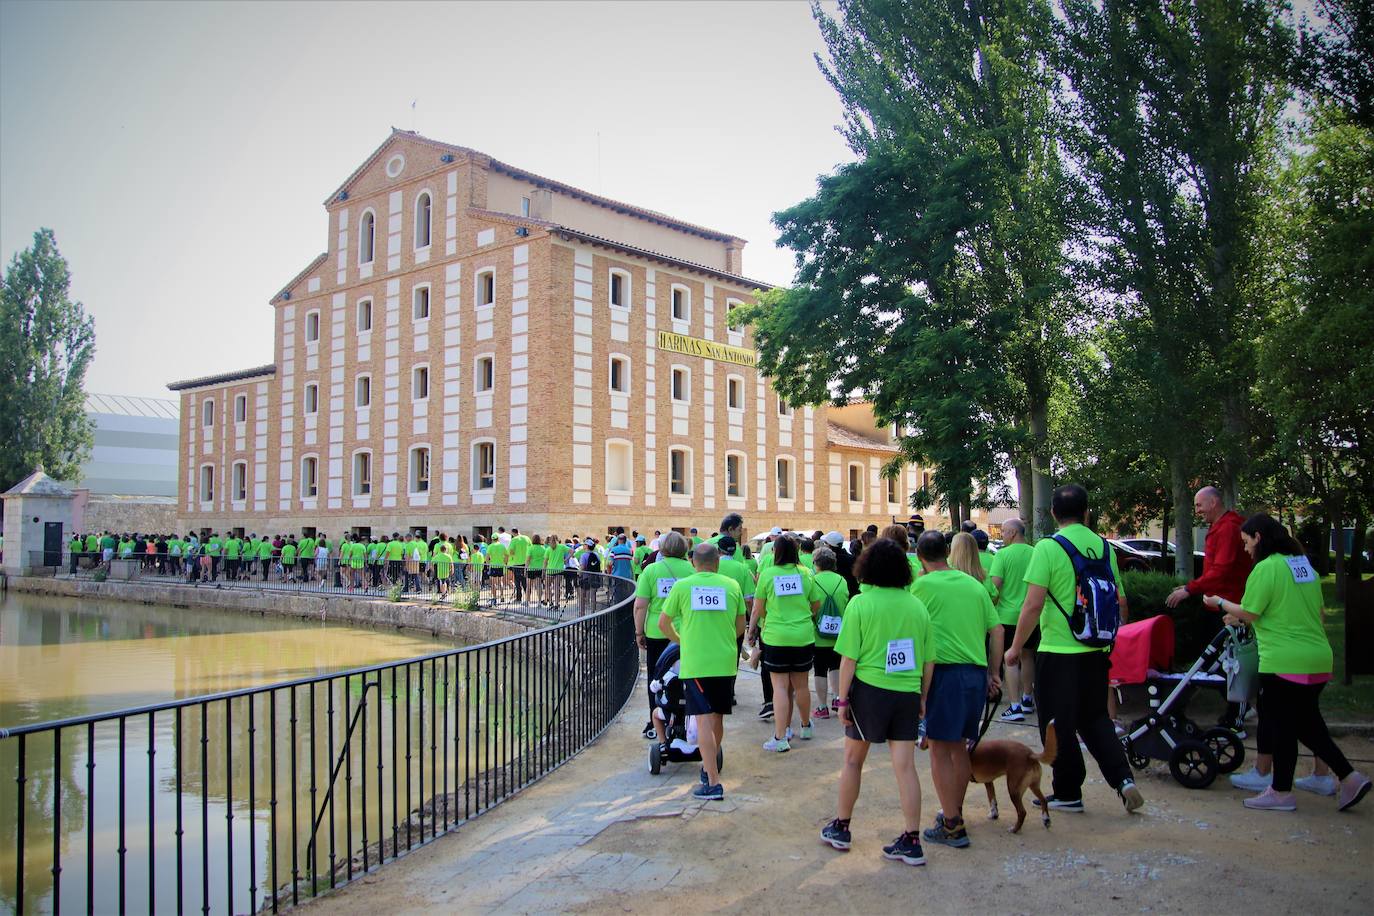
column 315, row 314
column 415, row 292
column 429, row 220
column 353, row 472
column 626, row 385
column 363, row 377
column 731, row 304
column 305, row 480
column 626, row 288
column 734, row 380
column 358, row 315
column 204, row 494
column 785, row 472
column 784, row 409
column 743, row 461
column 686, row 299
column 306, row 408
column 686, row 452
column 629, row 467
column 474, row 452
column 367, row 236
column 686, row 384
column 893, row 496
column 849, row 481
column 241, row 400
column 234, row 483
column 477, row 288
column 412, row 478
column 210, row 404
column 414, row 376
column 478, row 382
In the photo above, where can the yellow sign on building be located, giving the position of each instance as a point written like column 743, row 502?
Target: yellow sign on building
column 707, row 349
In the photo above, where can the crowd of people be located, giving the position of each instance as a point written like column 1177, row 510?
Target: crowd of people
column 903, row 634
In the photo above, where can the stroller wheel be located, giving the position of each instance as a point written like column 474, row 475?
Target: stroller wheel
column 655, row 761
column 1226, row 747
column 1193, row 764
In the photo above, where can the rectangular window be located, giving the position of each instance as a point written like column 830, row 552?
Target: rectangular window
column 731, row 307
column 681, row 303
column 240, row 489
column 784, row 478
column 679, row 471
column 484, row 466
column 855, row 483
column 419, row 303
column 362, row 391
column 310, row 477
column 783, row 409
column 486, row 288
column 362, row 474
column 312, row 398
column 620, row 381
column 486, row 373
column 892, row 489
column 207, row 483
column 419, row 470
column 734, row 485
column 617, row 467
column 618, row 290
column 207, row 413
column 734, row 394
column 524, row 206
column 240, row 408
column 312, row 327
column 679, row 384
column 364, row 315
column 419, row 383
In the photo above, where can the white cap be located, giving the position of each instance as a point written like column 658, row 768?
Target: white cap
column 775, row 531
column 834, row 539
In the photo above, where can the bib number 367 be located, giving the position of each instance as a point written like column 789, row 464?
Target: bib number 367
column 901, row 656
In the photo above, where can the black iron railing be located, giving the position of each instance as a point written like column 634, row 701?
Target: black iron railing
column 253, row 799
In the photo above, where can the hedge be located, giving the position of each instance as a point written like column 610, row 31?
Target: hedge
column 1194, row 625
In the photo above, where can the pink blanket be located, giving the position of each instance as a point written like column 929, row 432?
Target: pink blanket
column 1140, row 646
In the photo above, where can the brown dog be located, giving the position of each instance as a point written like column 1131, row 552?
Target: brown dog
column 1022, row 768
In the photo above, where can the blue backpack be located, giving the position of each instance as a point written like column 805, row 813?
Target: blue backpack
column 1096, row 612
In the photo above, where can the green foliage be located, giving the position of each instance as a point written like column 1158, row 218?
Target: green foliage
column 395, row 593
column 467, row 600
column 46, row 344
column 1194, row 625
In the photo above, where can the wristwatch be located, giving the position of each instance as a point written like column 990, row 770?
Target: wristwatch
column 841, row 703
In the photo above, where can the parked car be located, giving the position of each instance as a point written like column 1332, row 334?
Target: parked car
column 1161, row 553
column 1128, row 559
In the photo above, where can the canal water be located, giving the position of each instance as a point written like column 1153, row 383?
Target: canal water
column 116, row 802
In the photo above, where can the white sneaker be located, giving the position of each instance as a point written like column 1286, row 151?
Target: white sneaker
column 1318, row 785
column 1252, row 780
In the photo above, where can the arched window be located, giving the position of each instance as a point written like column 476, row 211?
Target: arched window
column 784, row 478
column 620, row 373
column 362, row 473
column 620, row 289
column 681, row 303
column 734, row 474
column 422, row 220
column 484, row 465
column 239, row 490
column 367, row 237
column 207, row 483
column 310, row 477
column 419, row 469
column 362, row 391
column 680, row 471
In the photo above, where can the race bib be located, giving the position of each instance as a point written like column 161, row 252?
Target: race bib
column 784, row 586
column 665, row 586
column 900, row 656
column 828, row 626
column 708, row 598
column 1302, row 570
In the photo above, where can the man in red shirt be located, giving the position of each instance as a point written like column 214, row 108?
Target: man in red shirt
column 1226, row 567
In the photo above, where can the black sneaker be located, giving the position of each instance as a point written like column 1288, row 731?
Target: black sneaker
column 946, row 833
column 765, row 712
column 1061, row 804
column 703, row 778
column 649, row 731
column 1130, row 796
column 906, row 848
column 836, row 834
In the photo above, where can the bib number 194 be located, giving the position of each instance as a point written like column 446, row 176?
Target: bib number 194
column 784, row 586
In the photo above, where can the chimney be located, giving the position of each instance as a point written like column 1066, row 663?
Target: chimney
column 541, row 204
column 734, row 256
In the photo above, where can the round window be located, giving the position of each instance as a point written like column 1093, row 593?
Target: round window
column 395, row 165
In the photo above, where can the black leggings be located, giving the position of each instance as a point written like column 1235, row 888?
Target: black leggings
column 1289, row 713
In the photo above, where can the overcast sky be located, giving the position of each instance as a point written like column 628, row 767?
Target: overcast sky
column 181, row 151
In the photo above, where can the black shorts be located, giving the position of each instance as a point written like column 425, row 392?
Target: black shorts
column 827, row 660
column 879, row 715
column 535, row 574
column 1009, row 633
column 709, row 694
column 787, row 659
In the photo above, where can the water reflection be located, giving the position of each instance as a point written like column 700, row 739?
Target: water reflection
column 61, row 658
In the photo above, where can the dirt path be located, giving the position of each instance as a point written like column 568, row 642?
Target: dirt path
column 602, row 835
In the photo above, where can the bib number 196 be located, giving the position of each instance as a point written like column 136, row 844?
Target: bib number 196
column 708, row 598
column 901, row 656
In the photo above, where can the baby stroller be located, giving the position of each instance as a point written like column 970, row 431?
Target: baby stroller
column 670, row 709
column 1195, row 754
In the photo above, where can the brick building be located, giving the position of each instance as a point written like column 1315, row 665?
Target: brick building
column 482, row 346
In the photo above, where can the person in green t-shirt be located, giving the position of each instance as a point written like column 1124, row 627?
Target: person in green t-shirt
column 886, row 646
column 1283, row 603
column 395, row 559
column 305, row 557
column 785, row 604
column 962, row 617
column 704, row 614
column 651, row 590
column 534, row 565
column 233, row 555
column 555, row 564
column 265, row 556
column 1071, row 678
column 641, row 551
column 834, row 599
column 496, row 569
column 442, row 560
column 1006, row 584
column 288, row 559
column 517, row 557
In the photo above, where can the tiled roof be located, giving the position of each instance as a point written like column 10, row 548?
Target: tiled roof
column 38, row 484
column 840, row 437
column 667, row 258
column 128, row 406
column 539, row 180
column 238, row 376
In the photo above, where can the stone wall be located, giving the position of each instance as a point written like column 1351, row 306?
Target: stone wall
column 140, row 514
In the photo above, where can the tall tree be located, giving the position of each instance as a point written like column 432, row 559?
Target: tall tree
column 1178, row 107
column 932, row 272
column 47, row 342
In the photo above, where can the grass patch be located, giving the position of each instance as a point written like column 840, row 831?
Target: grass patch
column 1339, row 701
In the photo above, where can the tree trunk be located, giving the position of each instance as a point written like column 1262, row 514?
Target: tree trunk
column 1181, row 490
column 1025, row 495
column 1042, row 523
column 1355, row 571
column 1163, row 541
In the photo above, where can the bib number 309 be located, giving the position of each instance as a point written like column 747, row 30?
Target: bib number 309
column 901, row 656
column 708, row 598
column 1302, row 570
column 783, row 586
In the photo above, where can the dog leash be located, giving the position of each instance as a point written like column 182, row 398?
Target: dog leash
column 989, row 710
